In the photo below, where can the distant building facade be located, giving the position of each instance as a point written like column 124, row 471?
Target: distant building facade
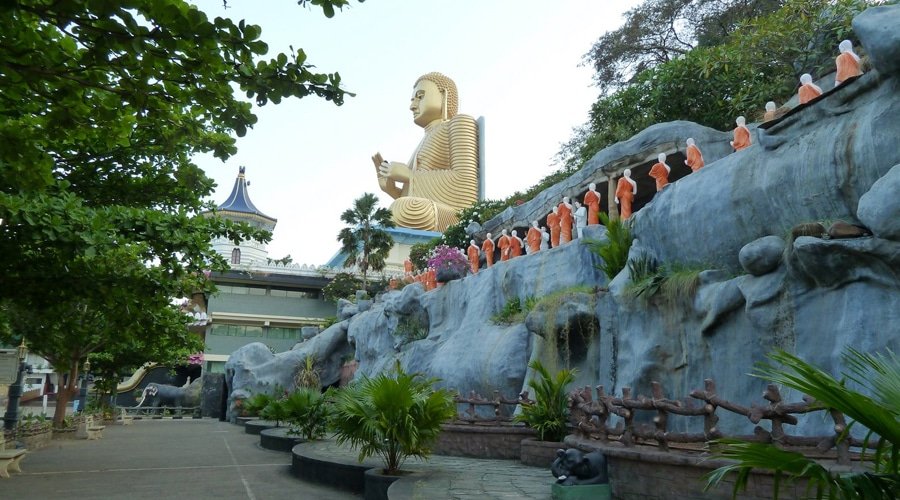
column 258, row 300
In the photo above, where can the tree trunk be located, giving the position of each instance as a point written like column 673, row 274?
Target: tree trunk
column 64, row 395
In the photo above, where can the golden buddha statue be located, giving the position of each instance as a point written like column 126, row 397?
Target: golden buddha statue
column 441, row 178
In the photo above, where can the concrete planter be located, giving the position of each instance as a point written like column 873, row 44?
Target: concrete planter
column 377, row 483
column 257, row 426
column 278, row 439
column 539, row 453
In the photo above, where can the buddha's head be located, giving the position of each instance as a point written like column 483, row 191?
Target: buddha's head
column 472, row 242
column 515, row 234
column 627, row 173
column 504, row 232
column 740, row 121
column 805, row 79
column 592, row 186
column 690, row 141
column 434, row 98
column 770, row 106
column 661, row 157
column 488, row 236
column 566, row 200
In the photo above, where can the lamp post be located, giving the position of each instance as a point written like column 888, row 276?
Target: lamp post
column 11, row 418
column 82, row 395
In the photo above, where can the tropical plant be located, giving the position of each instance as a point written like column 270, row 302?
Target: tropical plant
column 254, row 405
column 613, row 251
column 307, row 413
column 878, row 410
column 307, row 375
column 342, row 286
column 549, row 412
column 393, row 416
column 365, row 242
column 275, row 411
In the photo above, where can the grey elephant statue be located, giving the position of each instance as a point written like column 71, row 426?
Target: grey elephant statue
column 573, row 467
column 170, row 395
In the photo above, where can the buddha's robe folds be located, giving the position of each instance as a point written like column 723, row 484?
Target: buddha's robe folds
column 503, row 245
column 592, row 202
column 443, row 176
column 553, row 224
column 847, row 67
column 626, row 197
column 472, row 252
column 694, row 158
column 741, row 138
column 515, row 246
column 533, row 239
column 659, row 172
column 488, row 248
column 808, row 92
column 565, row 223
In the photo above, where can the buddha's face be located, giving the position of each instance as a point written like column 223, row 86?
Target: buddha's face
column 426, row 103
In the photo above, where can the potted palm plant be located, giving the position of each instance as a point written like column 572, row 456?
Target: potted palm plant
column 394, row 416
column 547, row 415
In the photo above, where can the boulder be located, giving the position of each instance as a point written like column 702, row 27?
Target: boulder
column 879, row 208
column 762, row 256
column 876, row 28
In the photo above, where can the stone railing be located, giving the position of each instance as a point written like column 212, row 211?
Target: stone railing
column 139, row 412
column 590, row 418
column 474, row 400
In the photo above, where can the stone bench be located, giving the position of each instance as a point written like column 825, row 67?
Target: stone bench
column 87, row 430
column 124, row 418
column 9, row 461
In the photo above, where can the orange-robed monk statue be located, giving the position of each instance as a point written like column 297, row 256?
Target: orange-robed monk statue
column 626, row 188
column 694, row 156
column 441, row 178
column 565, row 221
column 847, row 63
column 473, row 254
column 741, row 134
column 488, row 248
column 808, row 90
column 592, row 202
column 503, row 245
column 533, row 238
column 515, row 245
column 660, row 171
column 553, row 224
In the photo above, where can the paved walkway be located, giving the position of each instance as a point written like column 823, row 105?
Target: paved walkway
column 201, row 459
column 457, row 478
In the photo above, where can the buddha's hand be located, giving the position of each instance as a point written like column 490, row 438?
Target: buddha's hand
column 394, row 171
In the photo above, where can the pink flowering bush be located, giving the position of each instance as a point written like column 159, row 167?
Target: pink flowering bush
column 448, row 259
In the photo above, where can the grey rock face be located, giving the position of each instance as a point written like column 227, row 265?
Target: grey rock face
column 879, row 208
column 253, row 368
column 877, row 30
column 463, row 346
column 762, row 256
column 835, row 263
column 812, row 165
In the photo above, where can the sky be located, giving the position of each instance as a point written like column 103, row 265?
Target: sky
column 518, row 63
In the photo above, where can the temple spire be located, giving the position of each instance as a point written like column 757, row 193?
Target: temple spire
column 239, row 199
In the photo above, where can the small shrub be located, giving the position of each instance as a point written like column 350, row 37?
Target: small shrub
column 511, row 313
column 410, row 329
column 548, row 414
column 255, row 404
column 614, row 251
column 307, row 413
column 307, row 374
column 275, row 411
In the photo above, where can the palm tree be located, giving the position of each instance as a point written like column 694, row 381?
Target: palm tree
column 365, row 242
column 879, row 413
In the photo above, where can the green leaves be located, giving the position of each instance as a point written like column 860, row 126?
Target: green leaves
column 393, row 416
column 879, row 413
column 365, row 242
column 548, row 414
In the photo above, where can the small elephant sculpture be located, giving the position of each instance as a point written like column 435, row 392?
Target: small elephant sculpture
column 572, row 467
column 166, row 395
